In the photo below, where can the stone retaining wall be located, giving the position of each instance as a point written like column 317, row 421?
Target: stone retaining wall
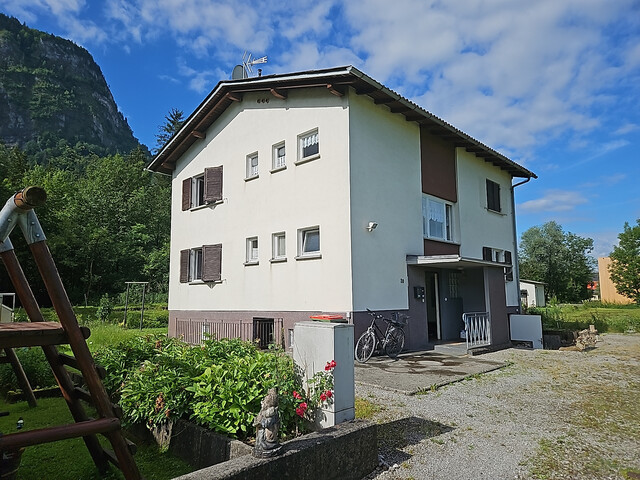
column 347, row 451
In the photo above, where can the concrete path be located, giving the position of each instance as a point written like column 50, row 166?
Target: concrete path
column 418, row 371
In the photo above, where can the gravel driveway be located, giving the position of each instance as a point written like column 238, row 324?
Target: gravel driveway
column 548, row 414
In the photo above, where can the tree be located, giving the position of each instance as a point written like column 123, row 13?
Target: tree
column 625, row 262
column 173, row 121
column 559, row 259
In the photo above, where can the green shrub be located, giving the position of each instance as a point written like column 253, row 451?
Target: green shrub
column 35, row 367
column 105, row 307
column 219, row 384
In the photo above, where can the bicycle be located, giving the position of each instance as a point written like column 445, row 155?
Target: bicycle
column 391, row 341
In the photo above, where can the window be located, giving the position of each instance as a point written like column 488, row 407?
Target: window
column 197, row 191
column 308, row 145
column 252, row 250
column 201, row 264
column 437, row 219
column 279, row 251
column 202, row 189
column 309, row 242
column 195, row 264
column 493, row 196
column 252, row 165
column 279, row 158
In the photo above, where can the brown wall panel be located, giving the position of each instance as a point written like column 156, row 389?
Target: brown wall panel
column 432, row 247
column 438, row 158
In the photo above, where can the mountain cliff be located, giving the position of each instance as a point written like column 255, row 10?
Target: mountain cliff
column 52, row 92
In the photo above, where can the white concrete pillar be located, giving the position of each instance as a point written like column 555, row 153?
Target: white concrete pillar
column 315, row 344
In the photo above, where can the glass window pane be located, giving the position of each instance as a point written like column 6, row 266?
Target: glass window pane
column 436, row 219
column 311, row 241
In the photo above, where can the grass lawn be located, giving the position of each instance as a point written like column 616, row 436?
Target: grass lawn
column 605, row 317
column 70, row 459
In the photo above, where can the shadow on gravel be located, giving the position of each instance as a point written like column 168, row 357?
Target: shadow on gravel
column 396, row 435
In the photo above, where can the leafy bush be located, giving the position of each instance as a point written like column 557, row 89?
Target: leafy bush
column 218, row 384
column 105, row 307
column 35, row 367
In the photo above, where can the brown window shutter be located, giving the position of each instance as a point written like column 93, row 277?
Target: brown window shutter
column 212, row 263
column 487, row 254
column 213, row 184
column 507, row 257
column 184, row 266
column 186, row 194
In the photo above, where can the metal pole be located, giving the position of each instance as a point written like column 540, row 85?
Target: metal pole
column 144, row 286
column 126, row 304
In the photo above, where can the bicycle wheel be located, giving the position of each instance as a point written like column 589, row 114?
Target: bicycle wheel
column 394, row 342
column 365, row 346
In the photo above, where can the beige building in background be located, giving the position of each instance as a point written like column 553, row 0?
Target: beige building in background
column 608, row 292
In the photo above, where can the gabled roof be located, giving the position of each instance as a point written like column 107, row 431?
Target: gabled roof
column 336, row 80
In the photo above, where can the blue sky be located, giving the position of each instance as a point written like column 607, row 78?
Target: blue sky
column 552, row 84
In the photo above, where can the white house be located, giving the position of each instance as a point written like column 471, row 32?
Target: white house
column 532, row 293
column 324, row 192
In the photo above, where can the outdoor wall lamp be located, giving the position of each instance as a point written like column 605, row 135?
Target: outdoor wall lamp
column 371, row 226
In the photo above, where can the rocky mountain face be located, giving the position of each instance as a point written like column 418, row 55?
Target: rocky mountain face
column 51, row 90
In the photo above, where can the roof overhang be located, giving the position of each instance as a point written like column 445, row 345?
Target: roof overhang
column 451, row 261
column 336, row 81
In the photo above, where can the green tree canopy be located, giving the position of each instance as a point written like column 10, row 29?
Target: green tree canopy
column 173, row 121
column 559, row 259
column 625, row 262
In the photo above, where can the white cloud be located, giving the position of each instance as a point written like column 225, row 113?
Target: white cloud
column 553, row 201
column 627, row 128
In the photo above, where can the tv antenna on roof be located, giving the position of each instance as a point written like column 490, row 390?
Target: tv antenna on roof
column 243, row 71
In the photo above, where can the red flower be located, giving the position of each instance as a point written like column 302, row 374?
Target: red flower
column 327, row 367
column 296, row 395
column 333, row 364
column 303, row 406
column 323, row 397
column 329, row 393
column 299, row 412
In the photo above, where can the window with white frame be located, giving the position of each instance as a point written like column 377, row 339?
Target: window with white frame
column 252, row 250
column 437, row 219
column 252, row 165
column 279, row 246
column 309, row 242
column 308, row 145
column 195, row 264
column 197, row 191
column 279, row 157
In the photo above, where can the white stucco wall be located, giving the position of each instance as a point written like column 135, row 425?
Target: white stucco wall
column 304, row 195
column 479, row 226
column 386, row 188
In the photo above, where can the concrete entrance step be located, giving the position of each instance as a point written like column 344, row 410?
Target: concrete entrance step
column 453, row 348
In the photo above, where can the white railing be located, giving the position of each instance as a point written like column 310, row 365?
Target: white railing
column 261, row 331
column 477, row 326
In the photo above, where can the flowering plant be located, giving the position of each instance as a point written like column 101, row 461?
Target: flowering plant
column 319, row 392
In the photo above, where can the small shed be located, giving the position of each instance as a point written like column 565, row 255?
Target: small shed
column 532, row 293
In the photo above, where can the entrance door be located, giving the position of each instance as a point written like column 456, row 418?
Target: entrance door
column 433, row 307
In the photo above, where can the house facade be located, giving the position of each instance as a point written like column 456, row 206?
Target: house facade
column 324, row 192
column 532, row 293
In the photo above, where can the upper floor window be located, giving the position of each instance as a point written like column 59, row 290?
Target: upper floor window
column 437, row 219
column 493, row 196
column 279, row 157
column 202, row 189
column 252, row 165
column 308, row 145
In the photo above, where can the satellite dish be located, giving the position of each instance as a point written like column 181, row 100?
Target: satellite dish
column 238, row 73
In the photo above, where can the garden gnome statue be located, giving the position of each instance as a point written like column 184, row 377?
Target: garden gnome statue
column 267, row 423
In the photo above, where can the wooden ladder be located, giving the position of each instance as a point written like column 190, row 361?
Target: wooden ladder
column 18, row 211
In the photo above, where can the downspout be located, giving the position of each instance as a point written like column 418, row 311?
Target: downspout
column 516, row 276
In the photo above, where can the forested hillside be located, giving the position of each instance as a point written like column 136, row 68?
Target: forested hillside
column 53, row 94
column 106, row 219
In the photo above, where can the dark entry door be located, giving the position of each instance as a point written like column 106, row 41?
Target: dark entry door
column 433, row 310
